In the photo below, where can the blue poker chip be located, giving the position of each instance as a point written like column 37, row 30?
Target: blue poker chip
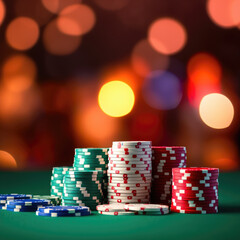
column 29, row 202
column 14, row 196
column 63, row 214
column 63, row 209
column 27, row 209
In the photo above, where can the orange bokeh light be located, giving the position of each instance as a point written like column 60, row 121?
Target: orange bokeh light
column 221, row 153
column 76, row 19
column 7, row 161
column 55, row 6
column 18, row 73
column 145, row 59
column 224, row 13
column 167, row 36
column 94, row 126
column 204, row 76
column 22, row 33
column 58, row 43
column 2, row 11
column 111, row 5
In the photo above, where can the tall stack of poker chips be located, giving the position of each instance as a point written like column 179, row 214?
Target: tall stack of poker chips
column 83, row 188
column 195, row 190
column 57, row 180
column 93, row 159
column 6, row 197
column 129, row 172
column 163, row 161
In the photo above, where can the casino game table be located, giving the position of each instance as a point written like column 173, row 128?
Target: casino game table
column 17, row 226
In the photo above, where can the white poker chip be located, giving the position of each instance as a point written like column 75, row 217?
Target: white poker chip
column 146, row 207
column 117, row 213
column 126, row 201
column 111, row 207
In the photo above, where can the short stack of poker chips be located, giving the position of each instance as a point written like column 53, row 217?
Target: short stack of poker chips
column 83, row 188
column 92, row 159
column 25, row 205
column 195, row 190
column 57, row 180
column 6, row 197
column 129, row 172
column 119, row 209
column 55, row 200
column 115, row 209
column 148, row 209
column 163, row 161
column 63, row 211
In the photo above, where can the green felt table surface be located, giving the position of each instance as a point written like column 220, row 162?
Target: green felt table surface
column 225, row 225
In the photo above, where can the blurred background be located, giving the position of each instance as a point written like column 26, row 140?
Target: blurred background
column 84, row 73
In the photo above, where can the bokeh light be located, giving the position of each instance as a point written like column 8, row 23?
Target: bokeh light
column 204, row 77
column 167, row 35
column 22, row 33
column 7, row 161
column 95, row 127
column 76, row 19
column 116, row 98
column 216, row 111
column 58, row 43
column 55, row 6
column 162, row 90
column 111, row 5
column 221, row 153
column 2, row 11
column 18, row 73
column 224, row 13
column 145, row 59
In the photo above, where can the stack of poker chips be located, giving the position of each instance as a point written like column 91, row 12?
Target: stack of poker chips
column 163, row 161
column 25, row 205
column 6, row 197
column 129, row 172
column 132, row 209
column 63, row 211
column 55, row 200
column 57, row 180
column 92, row 159
column 83, row 188
column 195, row 190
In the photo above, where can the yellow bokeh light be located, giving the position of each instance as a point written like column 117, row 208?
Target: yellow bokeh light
column 216, row 111
column 116, row 98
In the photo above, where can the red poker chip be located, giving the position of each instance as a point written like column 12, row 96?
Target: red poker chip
column 167, row 148
column 204, row 211
column 198, row 170
column 193, row 175
column 164, row 156
column 167, row 166
column 189, row 207
column 196, row 203
column 193, row 193
column 193, row 198
column 195, row 182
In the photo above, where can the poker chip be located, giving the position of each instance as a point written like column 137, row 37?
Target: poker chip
column 147, row 208
column 63, row 209
column 13, row 196
column 63, row 214
column 56, row 183
column 55, row 200
column 25, row 205
column 195, row 190
column 28, row 202
column 163, row 161
column 117, row 213
column 111, row 208
column 85, row 187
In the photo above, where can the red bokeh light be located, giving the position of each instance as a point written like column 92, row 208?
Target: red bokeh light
column 167, row 35
column 204, row 77
column 22, row 33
